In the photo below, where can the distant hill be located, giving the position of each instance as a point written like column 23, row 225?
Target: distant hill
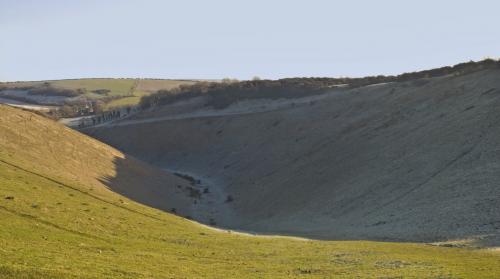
column 107, row 93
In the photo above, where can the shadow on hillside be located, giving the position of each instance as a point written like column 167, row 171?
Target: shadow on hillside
column 156, row 188
column 148, row 185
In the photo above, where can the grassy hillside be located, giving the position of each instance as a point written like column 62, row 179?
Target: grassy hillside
column 58, row 219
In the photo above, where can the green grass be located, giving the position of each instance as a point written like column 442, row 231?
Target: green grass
column 123, row 102
column 62, row 224
column 118, row 87
column 152, row 85
column 122, row 92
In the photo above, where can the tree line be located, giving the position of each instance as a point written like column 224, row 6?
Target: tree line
column 222, row 94
column 105, row 116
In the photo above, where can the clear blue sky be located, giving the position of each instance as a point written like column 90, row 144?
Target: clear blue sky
column 54, row 39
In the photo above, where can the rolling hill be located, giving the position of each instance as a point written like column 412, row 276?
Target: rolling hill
column 62, row 216
column 111, row 92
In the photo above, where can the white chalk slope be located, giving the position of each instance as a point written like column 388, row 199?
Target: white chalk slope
column 412, row 161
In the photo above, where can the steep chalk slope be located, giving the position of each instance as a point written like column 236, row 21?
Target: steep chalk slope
column 415, row 161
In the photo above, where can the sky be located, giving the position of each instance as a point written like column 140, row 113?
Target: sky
column 59, row 39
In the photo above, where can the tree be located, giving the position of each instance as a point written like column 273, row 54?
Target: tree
column 229, row 80
column 67, row 111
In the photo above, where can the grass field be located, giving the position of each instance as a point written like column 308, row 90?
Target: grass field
column 122, row 92
column 57, row 220
column 123, row 102
column 152, row 85
column 145, row 87
column 117, row 87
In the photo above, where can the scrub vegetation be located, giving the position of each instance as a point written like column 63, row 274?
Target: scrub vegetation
column 223, row 94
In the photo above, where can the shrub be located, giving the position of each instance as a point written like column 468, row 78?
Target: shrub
column 194, row 193
column 189, row 178
column 101, row 91
column 52, row 91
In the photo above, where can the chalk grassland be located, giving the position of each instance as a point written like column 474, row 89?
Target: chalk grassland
column 58, row 220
